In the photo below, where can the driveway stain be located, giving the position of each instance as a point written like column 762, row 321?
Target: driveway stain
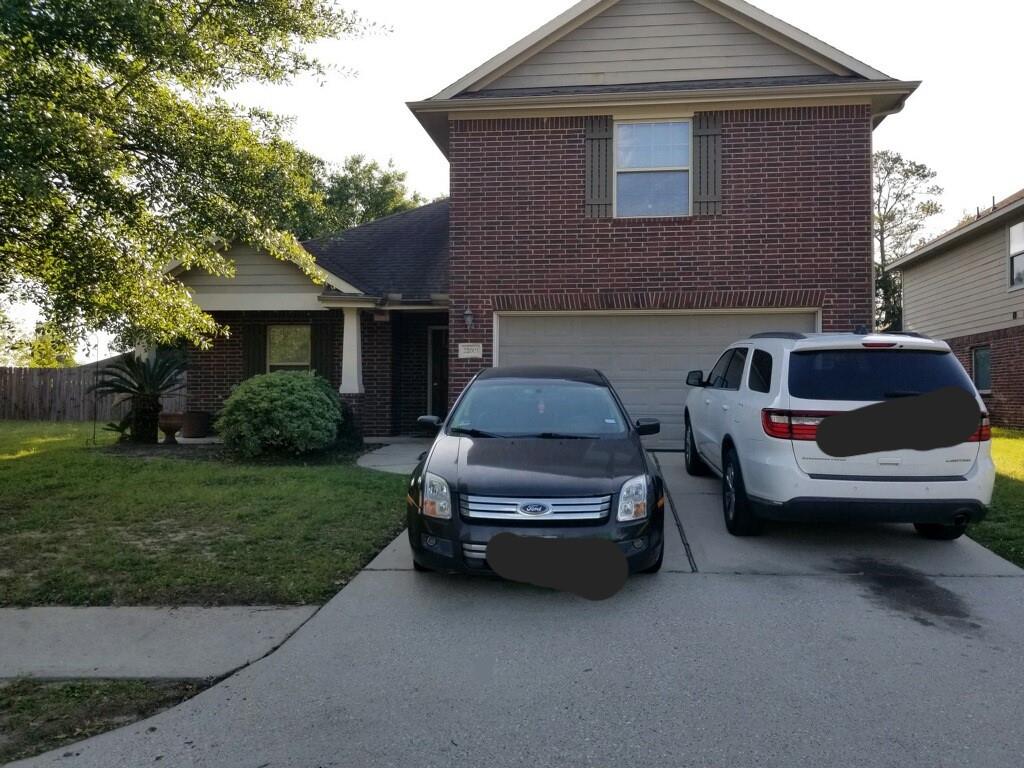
column 910, row 593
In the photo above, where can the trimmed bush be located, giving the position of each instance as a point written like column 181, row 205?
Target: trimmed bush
column 286, row 412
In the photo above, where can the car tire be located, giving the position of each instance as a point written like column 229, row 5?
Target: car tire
column 656, row 565
column 740, row 519
column 421, row 568
column 940, row 532
column 695, row 465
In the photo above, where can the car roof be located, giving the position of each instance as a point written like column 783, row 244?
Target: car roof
column 565, row 372
column 808, row 341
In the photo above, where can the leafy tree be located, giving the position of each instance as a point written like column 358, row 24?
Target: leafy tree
column 359, row 192
column 117, row 157
column 904, row 199
column 48, row 348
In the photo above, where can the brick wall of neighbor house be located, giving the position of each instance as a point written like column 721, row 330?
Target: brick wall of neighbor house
column 410, row 366
column 372, row 409
column 1006, row 403
column 796, row 214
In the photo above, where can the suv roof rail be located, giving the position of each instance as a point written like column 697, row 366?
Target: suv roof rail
column 795, row 335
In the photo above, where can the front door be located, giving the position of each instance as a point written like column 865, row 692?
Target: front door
column 437, row 370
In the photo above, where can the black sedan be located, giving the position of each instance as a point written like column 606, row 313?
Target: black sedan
column 535, row 451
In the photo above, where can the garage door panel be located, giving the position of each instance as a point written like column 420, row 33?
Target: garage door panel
column 645, row 356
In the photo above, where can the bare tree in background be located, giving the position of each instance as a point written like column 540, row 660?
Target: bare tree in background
column 905, row 197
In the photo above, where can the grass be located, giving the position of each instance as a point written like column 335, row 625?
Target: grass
column 38, row 716
column 95, row 525
column 1003, row 530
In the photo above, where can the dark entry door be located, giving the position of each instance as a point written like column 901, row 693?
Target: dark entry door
column 438, row 372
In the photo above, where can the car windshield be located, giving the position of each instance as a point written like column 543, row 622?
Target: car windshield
column 556, row 408
column 872, row 375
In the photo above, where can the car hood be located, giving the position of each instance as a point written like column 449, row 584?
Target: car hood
column 534, row 467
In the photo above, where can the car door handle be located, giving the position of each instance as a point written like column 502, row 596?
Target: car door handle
column 725, row 407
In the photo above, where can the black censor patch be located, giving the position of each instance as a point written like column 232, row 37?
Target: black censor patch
column 592, row 568
column 939, row 419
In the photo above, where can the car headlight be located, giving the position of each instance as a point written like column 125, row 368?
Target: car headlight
column 633, row 499
column 437, row 501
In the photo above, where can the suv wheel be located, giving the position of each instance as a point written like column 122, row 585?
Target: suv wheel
column 694, row 463
column 941, row 532
column 739, row 517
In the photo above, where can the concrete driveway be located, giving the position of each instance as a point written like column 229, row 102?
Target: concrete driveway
column 813, row 646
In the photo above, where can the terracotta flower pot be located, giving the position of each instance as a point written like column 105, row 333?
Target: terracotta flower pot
column 170, row 423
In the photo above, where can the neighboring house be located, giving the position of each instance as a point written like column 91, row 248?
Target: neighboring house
column 967, row 287
column 633, row 186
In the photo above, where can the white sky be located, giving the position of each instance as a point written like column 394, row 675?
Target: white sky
column 966, row 120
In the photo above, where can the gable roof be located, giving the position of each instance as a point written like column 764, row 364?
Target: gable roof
column 997, row 215
column 637, row 54
column 405, row 253
column 742, row 13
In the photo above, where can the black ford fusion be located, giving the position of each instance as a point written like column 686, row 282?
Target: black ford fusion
column 536, row 451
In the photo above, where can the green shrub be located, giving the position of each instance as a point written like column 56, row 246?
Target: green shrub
column 287, row 412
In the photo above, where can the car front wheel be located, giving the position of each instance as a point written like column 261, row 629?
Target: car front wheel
column 739, row 517
column 694, row 463
column 941, row 532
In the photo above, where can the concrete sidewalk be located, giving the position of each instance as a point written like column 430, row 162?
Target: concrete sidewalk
column 140, row 642
column 399, row 458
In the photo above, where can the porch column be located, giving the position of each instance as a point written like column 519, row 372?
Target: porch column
column 351, row 354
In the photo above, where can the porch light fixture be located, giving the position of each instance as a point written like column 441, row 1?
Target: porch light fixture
column 467, row 315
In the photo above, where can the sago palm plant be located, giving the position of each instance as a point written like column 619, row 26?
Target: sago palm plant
column 143, row 382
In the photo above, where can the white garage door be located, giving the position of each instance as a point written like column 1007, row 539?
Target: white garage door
column 645, row 356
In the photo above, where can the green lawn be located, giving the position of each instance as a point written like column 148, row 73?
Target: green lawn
column 91, row 525
column 1003, row 530
column 36, row 716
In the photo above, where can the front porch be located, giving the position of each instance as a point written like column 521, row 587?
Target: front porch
column 389, row 365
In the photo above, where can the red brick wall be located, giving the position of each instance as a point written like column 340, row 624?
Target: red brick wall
column 796, row 216
column 372, row 409
column 1006, row 403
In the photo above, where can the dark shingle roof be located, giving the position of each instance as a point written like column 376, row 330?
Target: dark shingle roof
column 685, row 85
column 405, row 253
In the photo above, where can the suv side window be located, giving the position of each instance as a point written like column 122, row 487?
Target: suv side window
column 760, row 379
column 734, row 374
column 716, row 379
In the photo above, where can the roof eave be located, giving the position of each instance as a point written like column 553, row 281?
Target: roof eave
column 949, row 240
column 887, row 97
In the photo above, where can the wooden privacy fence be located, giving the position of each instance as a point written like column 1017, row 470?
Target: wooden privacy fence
column 62, row 394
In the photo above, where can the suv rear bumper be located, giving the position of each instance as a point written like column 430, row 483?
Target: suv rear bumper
column 945, row 511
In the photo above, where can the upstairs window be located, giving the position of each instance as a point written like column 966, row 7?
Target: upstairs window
column 652, row 169
column 288, row 348
column 1017, row 255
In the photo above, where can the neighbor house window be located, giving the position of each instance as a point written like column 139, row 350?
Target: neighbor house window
column 288, row 348
column 1017, row 255
column 652, row 169
column 981, row 367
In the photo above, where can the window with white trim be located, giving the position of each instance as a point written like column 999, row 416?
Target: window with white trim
column 652, row 168
column 289, row 348
column 1017, row 255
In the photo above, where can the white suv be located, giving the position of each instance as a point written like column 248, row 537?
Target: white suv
column 754, row 420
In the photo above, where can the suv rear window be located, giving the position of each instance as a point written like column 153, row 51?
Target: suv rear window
column 872, row 375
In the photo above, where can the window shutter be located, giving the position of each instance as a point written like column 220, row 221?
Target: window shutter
column 321, row 340
column 598, row 140
column 707, row 164
column 254, row 350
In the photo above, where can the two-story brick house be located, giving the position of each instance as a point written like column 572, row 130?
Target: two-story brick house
column 967, row 287
column 633, row 186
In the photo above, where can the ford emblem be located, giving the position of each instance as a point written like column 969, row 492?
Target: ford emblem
column 534, row 509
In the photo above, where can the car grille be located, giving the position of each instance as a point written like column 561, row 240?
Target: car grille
column 497, row 508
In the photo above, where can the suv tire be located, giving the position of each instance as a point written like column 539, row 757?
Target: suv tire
column 739, row 517
column 941, row 532
column 695, row 465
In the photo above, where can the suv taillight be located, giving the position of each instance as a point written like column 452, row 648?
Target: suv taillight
column 984, row 433
column 792, row 425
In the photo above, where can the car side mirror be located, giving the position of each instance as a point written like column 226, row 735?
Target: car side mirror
column 695, row 379
column 429, row 421
column 648, row 426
